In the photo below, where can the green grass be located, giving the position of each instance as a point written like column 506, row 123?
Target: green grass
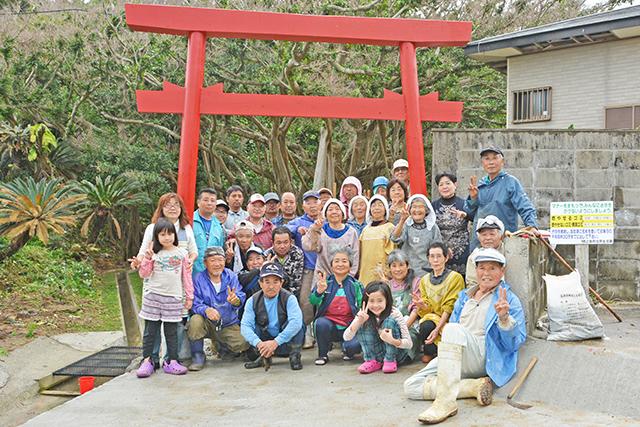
column 110, row 298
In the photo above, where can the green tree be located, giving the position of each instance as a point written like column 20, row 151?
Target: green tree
column 103, row 198
column 29, row 208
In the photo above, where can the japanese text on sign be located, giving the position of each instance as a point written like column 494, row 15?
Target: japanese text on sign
column 582, row 223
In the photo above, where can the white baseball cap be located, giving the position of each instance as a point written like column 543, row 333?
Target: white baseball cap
column 400, row 163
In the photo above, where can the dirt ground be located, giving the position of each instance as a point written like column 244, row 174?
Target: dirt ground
column 24, row 317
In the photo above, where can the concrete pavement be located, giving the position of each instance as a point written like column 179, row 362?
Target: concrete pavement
column 574, row 384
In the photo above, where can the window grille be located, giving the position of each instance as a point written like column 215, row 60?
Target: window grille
column 532, row 105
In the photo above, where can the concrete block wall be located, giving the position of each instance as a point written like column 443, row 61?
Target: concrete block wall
column 565, row 165
column 526, row 264
column 583, row 80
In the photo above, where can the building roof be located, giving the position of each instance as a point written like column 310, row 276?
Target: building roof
column 596, row 28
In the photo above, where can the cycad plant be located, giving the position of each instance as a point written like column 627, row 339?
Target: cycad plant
column 29, row 208
column 103, row 198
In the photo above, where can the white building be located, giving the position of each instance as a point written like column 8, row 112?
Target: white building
column 583, row 73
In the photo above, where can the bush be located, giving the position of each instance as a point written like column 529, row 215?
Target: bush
column 51, row 272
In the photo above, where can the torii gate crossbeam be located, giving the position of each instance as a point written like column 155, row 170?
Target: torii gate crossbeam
column 194, row 100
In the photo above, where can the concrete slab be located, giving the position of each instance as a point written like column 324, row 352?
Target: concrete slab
column 91, row 341
column 226, row 394
column 573, row 384
column 27, row 364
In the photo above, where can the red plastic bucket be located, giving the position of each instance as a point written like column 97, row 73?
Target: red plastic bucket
column 86, row 384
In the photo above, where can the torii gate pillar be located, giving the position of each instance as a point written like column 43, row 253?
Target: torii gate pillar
column 194, row 100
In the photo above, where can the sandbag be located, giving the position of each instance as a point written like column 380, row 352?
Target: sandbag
column 571, row 317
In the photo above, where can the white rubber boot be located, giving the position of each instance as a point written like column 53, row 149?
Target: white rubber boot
column 429, row 388
column 449, row 366
column 480, row 388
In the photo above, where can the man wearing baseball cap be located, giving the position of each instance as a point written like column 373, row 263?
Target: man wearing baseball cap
column 272, row 320
column 401, row 171
column 261, row 228
column 490, row 234
column 499, row 194
column 217, row 297
column 272, row 208
column 299, row 227
column 480, row 344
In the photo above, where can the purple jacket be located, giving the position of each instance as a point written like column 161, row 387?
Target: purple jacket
column 205, row 296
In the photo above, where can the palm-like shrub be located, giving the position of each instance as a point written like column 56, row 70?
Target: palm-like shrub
column 29, row 208
column 103, row 198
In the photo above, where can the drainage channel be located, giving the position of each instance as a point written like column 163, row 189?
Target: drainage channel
column 129, row 311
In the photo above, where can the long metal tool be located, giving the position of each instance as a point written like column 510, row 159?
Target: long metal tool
column 518, row 384
column 595, row 294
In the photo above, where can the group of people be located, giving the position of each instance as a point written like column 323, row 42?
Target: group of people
column 385, row 273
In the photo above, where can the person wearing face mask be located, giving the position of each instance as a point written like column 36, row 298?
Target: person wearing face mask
column 452, row 220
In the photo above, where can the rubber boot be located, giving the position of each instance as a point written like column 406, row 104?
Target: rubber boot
column 295, row 358
column 197, row 355
column 308, row 338
column 449, row 366
column 480, row 388
column 429, row 388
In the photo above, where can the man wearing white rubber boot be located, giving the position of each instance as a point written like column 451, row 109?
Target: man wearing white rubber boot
column 480, row 344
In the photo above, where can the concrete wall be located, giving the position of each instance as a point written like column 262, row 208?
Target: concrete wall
column 562, row 165
column 526, row 264
column 583, row 81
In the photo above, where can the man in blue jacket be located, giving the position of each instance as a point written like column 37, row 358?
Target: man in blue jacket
column 498, row 194
column 480, row 343
column 207, row 230
column 299, row 227
column 217, row 297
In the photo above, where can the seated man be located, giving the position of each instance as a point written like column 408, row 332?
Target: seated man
column 249, row 278
column 272, row 320
column 490, row 232
column 290, row 257
column 217, row 296
column 482, row 338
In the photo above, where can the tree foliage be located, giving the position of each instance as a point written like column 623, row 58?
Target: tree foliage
column 29, row 208
column 74, row 66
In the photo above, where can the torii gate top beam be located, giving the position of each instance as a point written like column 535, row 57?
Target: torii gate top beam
column 222, row 23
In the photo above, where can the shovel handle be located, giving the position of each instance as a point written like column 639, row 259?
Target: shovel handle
column 522, row 377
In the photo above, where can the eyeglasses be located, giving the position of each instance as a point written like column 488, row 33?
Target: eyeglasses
column 169, row 206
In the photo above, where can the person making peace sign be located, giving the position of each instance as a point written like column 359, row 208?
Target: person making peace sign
column 480, row 343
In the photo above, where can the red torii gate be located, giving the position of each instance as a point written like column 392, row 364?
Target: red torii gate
column 193, row 100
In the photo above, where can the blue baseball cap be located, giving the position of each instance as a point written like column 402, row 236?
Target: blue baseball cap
column 271, row 196
column 310, row 193
column 271, row 269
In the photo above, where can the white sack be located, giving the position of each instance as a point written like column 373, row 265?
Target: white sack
column 571, row 317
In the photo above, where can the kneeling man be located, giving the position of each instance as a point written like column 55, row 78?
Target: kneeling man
column 272, row 320
column 482, row 338
column 217, row 297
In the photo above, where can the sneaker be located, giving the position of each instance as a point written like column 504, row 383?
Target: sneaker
column 174, row 368
column 390, row 367
column 145, row 370
column 369, row 366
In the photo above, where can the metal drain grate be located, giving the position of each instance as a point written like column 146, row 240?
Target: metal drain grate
column 110, row 362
